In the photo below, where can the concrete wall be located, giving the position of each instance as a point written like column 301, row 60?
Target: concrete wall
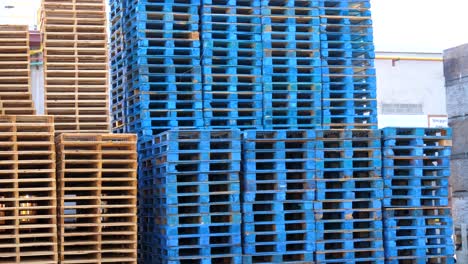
column 408, row 91
column 456, row 83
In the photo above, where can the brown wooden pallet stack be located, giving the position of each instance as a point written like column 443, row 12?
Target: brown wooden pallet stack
column 28, row 226
column 76, row 64
column 15, row 88
column 97, row 185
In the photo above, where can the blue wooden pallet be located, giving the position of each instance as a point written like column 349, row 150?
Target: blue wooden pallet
column 345, row 107
column 359, row 84
column 401, row 151
column 373, row 246
column 349, row 185
column 348, row 194
column 367, row 52
column 234, row 121
column 232, row 64
column 349, row 122
column 231, row 53
column 291, row 73
column 234, row 259
column 347, row 26
column 286, row 257
column 351, row 62
column 419, row 252
column 197, row 167
column 144, row 118
column 203, row 234
column 415, row 233
column 205, row 252
column 410, row 162
column 347, row 205
column 232, row 97
column 214, row 16
column 174, row 137
column 292, row 59
column 277, row 248
column 351, row 91
column 347, row 227
column 313, row 122
column 448, row 259
column 157, row 125
column 254, row 193
column 240, row 62
column 347, row 257
column 279, row 165
column 348, row 164
column 167, row 104
column 426, row 133
column 231, row 2
column 421, row 183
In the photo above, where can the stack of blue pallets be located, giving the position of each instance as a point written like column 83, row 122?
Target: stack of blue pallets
column 291, row 64
column 278, row 189
column 191, row 212
column 347, row 50
column 117, row 60
column 163, row 81
column 246, row 64
column 231, row 61
column 417, row 221
column 298, row 77
column 349, row 197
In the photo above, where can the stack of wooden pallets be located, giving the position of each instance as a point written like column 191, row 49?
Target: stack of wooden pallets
column 28, row 230
column 75, row 65
column 88, row 213
column 15, row 89
column 97, row 185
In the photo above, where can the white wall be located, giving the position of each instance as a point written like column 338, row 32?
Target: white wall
column 408, row 91
column 37, row 88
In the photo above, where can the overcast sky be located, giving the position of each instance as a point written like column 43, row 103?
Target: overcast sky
column 399, row 25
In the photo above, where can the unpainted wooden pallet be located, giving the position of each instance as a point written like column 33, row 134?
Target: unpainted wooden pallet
column 15, row 86
column 97, row 198
column 28, row 228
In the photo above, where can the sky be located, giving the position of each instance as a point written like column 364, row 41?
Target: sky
column 399, row 25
